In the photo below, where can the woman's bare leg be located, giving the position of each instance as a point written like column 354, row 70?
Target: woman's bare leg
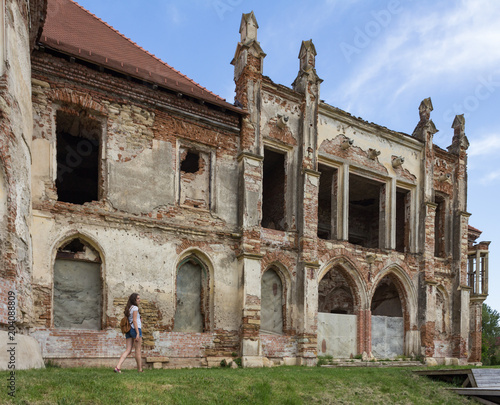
column 125, row 353
column 138, row 358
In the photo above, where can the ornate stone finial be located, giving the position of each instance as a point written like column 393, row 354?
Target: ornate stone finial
column 460, row 141
column 425, row 109
column 248, row 46
column 307, row 56
column 248, row 27
column 425, row 126
column 307, row 71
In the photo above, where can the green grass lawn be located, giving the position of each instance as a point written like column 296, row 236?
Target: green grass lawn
column 278, row 385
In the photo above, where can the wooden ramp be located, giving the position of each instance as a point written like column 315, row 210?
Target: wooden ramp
column 481, row 383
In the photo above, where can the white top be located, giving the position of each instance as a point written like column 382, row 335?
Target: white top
column 132, row 309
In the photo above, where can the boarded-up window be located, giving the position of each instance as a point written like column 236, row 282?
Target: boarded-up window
column 77, row 287
column 78, row 157
column 191, row 297
column 271, row 313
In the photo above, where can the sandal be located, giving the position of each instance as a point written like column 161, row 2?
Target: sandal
column 117, row 370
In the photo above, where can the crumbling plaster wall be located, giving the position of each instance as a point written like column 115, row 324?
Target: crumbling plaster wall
column 16, row 127
column 138, row 260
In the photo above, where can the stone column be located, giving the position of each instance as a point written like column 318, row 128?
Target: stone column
column 250, row 285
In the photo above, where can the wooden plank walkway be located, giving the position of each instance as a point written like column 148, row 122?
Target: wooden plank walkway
column 481, row 383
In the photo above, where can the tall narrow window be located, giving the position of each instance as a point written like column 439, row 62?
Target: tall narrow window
column 77, row 287
column 271, row 313
column 439, row 227
column 78, row 155
column 327, row 202
column 191, row 297
column 273, row 194
column 366, row 209
column 402, row 220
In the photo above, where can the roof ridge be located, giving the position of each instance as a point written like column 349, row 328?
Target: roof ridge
column 147, row 52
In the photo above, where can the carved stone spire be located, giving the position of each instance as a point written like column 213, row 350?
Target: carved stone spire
column 307, row 70
column 425, row 128
column 460, row 141
column 248, row 51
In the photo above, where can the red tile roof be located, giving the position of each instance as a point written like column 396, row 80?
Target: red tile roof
column 71, row 29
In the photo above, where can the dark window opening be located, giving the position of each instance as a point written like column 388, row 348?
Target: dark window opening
column 273, row 194
column 334, row 294
column 386, row 300
column 402, row 220
column 74, row 246
column 327, row 202
column 366, row 211
column 191, row 163
column 78, row 152
column 439, row 227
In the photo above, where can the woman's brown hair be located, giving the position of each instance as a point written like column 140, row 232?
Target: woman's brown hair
column 132, row 300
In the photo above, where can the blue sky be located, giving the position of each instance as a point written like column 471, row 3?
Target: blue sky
column 378, row 60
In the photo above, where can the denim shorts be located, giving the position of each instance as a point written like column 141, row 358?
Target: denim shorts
column 132, row 334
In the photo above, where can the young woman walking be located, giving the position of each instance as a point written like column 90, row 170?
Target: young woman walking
column 134, row 335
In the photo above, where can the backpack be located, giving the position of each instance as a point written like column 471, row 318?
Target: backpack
column 125, row 324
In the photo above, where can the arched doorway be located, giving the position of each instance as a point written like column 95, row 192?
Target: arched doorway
column 387, row 320
column 337, row 319
column 77, row 286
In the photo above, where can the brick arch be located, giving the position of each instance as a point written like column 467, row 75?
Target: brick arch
column 72, row 234
column 353, row 278
column 405, row 288
column 79, row 99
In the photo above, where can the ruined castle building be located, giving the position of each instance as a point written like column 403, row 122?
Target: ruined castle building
column 276, row 228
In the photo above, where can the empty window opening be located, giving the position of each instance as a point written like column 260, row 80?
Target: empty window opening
column 334, row 294
column 402, row 220
column 271, row 314
column 365, row 211
column 439, row 227
column 273, row 194
column 78, row 153
column 191, row 297
column 77, row 287
column 191, row 163
column 386, row 300
column 327, row 202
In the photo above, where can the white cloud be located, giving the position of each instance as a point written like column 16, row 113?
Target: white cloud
column 485, row 146
column 421, row 47
column 490, row 177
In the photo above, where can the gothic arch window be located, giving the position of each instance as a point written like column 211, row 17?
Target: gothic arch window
column 192, row 297
column 77, row 286
column 271, row 313
column 334, row 294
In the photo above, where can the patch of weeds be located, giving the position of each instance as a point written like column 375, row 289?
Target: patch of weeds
column 238, row 361
column 223, row 363
column 322, row 360
column 358, row 356
column 50, row 364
